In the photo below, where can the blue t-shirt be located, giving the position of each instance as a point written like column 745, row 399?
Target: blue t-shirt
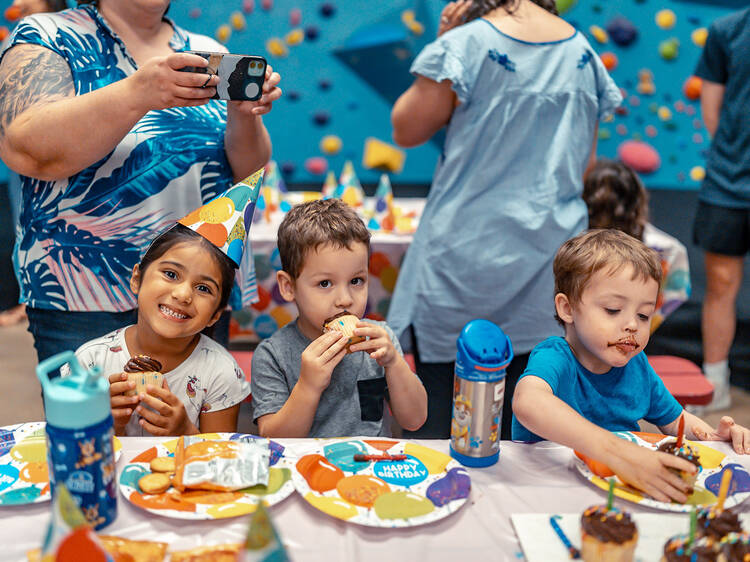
column 726, row 60
column 615, row 400
column 507, row 189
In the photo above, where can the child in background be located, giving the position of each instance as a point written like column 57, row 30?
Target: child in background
column 616, row 198
column 183, row 283
column 596, row 380
column 304, row 382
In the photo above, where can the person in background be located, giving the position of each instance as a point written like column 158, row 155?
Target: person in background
column 113, row 143
column 521, row 93
column 616, row 198
column 21, row 9
column 596, row 380
column 722, row 220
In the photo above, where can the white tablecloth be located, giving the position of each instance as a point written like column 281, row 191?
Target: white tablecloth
column 528, row 479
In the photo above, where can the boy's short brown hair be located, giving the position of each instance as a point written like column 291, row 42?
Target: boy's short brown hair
column 316, row 223
column 582, row 256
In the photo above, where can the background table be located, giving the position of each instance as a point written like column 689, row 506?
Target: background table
column 527, row 479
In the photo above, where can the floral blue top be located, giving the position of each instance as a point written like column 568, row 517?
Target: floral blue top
column 79, row 237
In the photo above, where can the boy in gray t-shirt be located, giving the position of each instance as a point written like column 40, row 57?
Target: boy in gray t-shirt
column 304, row 382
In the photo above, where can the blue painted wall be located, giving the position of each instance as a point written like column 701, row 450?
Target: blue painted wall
column 364, row 43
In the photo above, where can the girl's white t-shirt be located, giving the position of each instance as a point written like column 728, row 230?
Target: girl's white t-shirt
column 207, row 381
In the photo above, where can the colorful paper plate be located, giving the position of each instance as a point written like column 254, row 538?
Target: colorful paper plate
column 201, row 504
column 427, row 486
column 24, row 475
column 713, row 463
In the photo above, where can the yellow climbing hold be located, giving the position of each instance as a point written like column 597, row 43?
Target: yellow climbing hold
column 697, row 173
column 599, row 34
column 223, row 33
column 294, row 37
column 665, row 19
column 237, row 19
column 664, row 113
column 699, row 36
column 331, row 144
column 276, row 47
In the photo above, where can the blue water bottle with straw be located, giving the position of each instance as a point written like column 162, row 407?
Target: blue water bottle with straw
column 80, row 450
column 484, row 352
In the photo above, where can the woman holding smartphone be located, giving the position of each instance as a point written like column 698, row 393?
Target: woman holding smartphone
column 113, row 143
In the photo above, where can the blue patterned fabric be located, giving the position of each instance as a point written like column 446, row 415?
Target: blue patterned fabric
column 507, row 189
column 79, row 237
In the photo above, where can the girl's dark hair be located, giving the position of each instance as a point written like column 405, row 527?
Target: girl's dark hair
column 56, row 5
column 481, row 7
column 616, row 198
column 180, row 234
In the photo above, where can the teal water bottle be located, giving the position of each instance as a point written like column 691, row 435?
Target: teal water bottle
column 80, row 450
column 484, row 352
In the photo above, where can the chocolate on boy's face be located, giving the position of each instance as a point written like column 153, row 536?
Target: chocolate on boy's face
column 332, row 280
column 612, row 322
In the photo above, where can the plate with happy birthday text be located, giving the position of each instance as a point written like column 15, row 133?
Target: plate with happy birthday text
column 204, row 504
column 706, row 489
column 24, row 474
column 426, row 486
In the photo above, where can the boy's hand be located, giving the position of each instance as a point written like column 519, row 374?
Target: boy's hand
column 727, row 431
column 122, row 406
column 168, row 415
column 320, row 358
column 378, row 345
column 649, row 471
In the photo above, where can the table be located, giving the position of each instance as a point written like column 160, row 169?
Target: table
column 528, row 479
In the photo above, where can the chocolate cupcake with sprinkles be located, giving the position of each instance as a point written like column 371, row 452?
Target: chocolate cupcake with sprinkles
column 607, row 533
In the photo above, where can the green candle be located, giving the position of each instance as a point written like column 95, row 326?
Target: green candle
column 693, row 526
column 611, row 494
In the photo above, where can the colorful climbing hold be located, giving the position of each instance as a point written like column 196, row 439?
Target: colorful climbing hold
column 223, row 33
column 698, row 173
column 317, row 165
column 669, row 48
column 664, row 113
column 622, row 31
column 330, row 144
column 321, row 118
column 665, row 19
column 276, row 47
column 599, row 34
column 295, row 17
column 327, row 9
column 692, row 88
column 294, row 37
column 609, row 60
column 237, row 19
column 699, row 36
column 640, row 156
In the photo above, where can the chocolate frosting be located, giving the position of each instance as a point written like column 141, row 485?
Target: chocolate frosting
column 703, row 550
column 716, row 524
column 142, row 364
column 736, row 547
column 685, row 452
column 608, row 526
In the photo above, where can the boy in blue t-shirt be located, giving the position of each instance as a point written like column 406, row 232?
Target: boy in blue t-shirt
column 579, row 389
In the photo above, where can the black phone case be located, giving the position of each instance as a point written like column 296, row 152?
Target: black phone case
column 241, row 77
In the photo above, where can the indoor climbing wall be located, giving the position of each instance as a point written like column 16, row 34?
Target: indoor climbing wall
column 343, row 63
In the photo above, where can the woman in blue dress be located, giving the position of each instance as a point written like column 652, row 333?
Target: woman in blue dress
column 113, row 144
column 521, row 93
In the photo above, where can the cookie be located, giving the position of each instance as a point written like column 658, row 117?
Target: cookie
column 162, row 464
column 346, row 324
column 155, row 483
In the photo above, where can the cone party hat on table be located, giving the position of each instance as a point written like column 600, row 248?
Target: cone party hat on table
column 262, row 543
column 69, row 536
column 349, row 189
column 273, row 193
column 224, row 221
column 381, row 207
column 330, row 185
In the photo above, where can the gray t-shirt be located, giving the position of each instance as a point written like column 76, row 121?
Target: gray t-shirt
column 351, row 405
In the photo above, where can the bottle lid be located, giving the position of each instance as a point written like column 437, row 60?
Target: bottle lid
column 485, row 343
column 75, row 401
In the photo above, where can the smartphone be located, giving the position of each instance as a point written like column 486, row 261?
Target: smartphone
column 241, row 77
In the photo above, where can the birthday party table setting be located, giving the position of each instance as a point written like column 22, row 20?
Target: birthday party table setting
column 405, row 498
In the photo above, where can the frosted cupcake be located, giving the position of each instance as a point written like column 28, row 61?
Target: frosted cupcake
column 143, row 370
column 704, row 549
column 684, row 452
column 345, row 323
column 607, row 535
column 716, row 523
column 736, row 547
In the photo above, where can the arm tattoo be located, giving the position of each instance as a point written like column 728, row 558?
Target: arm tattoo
column 31, row 75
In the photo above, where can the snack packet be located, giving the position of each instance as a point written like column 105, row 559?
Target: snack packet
column 263, row 543
column 220, row 465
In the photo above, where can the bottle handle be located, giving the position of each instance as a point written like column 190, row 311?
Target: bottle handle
column 76, row 370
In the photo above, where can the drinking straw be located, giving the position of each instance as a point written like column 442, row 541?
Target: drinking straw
column 726, row 478
column 611, row 494
column 680, row 431
column 574, row 553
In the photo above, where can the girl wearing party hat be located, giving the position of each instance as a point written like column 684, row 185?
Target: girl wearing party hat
column 182, row 282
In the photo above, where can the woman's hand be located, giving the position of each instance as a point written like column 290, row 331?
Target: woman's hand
column 167, row 415
column 453, row 15
column 122, row 406
column 271, row 92
column 160, row 84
